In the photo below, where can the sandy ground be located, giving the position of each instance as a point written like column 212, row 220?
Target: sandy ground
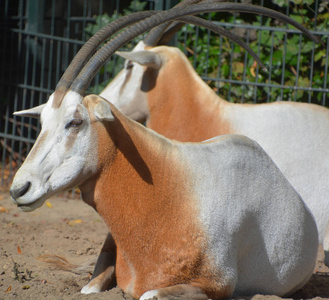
column 71, row 229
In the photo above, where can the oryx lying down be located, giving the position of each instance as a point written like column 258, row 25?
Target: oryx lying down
column 187, row 220
column 214, row 219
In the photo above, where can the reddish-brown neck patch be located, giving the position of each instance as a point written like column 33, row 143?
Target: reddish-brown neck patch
column 182, row 106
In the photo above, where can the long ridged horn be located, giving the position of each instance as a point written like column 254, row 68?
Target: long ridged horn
column 84, row 78
column 224, row 32
column 91, row 46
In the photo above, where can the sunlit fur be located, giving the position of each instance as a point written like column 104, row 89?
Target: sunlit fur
column 192, row 220
column 178, row 104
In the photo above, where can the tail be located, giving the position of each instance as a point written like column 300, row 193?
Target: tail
column 61, row 263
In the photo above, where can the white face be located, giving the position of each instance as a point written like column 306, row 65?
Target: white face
column 125, row 90
column 63, row 155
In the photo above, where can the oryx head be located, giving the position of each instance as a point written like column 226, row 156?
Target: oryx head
column 127, row 90
column 65, row 153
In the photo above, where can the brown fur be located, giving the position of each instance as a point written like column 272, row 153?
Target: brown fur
column 58, row 97
column 148, row 206
column 39, row 144
column 174, row 104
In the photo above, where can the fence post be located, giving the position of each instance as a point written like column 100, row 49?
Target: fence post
column 158, row 4
column 164, row 4
column 170, row 4
column 35, row 15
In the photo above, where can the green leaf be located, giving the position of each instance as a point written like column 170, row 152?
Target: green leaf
column 297, row 18
column 281, row 3
column 307, row 47
column 320, row 54
column 305, row 2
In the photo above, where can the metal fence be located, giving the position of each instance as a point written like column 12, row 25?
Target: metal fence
column 40, row 38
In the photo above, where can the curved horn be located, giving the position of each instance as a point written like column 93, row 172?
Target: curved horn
column 154, row 36
column 169, row 33
column 83, row 80
column 162, row 34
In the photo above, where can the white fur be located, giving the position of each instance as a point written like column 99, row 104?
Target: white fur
column 238, row 244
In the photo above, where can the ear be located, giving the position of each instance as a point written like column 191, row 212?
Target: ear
column 144, row 58
column 103, row 111
column 34, row 112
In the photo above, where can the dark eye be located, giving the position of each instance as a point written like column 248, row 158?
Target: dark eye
column 73, row 123
column 129, row 65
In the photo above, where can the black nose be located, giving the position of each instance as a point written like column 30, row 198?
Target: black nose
column 19, row 192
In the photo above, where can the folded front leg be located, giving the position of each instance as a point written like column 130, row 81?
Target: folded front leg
column 180, row 291
column 104, row 274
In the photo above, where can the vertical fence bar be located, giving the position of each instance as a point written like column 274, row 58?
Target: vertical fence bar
column 257, row 67
column 311, row 73
column 219, row 62
column 270, row 68
column 158, row 4
column 298, row 67
column 195, row 51
column 42, row 72
column 244, row 69
column 5, row 114
column 324, row 94
column 208, row 47
column 284, row 58
column 35, row 15
column 66, row 45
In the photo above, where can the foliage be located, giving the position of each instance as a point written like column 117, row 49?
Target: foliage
column 288, row 57
column 103, row 20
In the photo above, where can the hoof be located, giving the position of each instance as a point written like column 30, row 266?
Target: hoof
column 90, row 289
column 149, row 295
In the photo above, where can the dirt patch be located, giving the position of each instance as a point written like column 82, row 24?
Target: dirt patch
column 71, row 229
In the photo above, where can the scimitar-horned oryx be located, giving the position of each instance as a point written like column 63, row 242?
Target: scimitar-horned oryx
column 186, row 220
